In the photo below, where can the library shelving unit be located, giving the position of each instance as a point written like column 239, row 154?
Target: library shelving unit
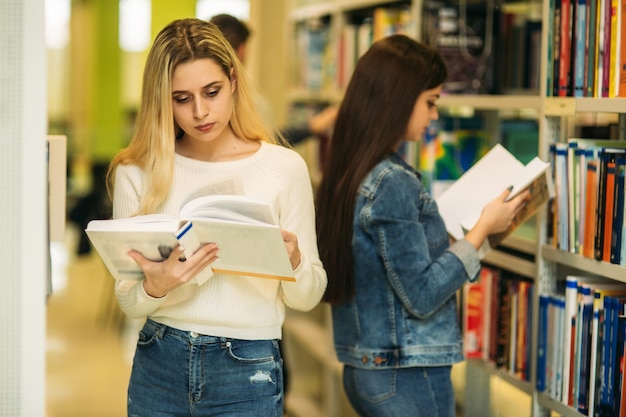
column 318, row 35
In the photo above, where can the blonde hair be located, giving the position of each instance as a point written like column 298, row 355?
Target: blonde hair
column 152, row 147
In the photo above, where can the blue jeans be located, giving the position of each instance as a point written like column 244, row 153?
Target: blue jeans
column 404, row 392
column 177, row 373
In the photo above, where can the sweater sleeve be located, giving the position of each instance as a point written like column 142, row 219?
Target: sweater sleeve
column 127, row 190
column 297, row 215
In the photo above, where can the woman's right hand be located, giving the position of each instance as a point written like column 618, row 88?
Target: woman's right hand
column 496, row 217
column 161, row 277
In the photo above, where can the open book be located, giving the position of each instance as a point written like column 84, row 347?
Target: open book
column 250, row 242
column 461, row 204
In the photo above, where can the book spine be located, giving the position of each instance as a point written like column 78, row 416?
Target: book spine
column 601, row 35
column 606, row 63
column 571, row 295
column 614, row 48
column 585, row 350
column 590, row 209
column 562, row 204
column 581, row 41
column 504, row 319
column 560, row 394
column 609, row 198
column 618, row 211
column 622, row 52
column 565, row 47
column 594, row 348
column 542, row 336
column 592, row 56
column 600, row 205
column 472, row 292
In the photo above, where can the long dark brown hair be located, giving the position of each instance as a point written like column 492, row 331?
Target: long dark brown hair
column 371, row 123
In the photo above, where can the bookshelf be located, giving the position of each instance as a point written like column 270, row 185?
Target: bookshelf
column 530, row 256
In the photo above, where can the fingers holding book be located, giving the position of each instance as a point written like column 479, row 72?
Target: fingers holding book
column 161, row 277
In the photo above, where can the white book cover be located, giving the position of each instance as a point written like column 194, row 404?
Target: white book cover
column 250, row 242
column 461, row 204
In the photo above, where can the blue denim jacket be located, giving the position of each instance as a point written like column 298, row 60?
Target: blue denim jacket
column 406, row 273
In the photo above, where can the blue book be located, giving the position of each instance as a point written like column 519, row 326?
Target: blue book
column 529, row 331
column 613, row 308
column 584, row 347
column 579, row 47
column 542, row 340
column 621, row 325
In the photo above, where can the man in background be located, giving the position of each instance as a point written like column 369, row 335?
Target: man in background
column 235, row 31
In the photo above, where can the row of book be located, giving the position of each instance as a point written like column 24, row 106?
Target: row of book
column 314, row 63
column 587, row 48
column 365, row 28
column 580, row 345
column 452, row 145
column 497, row 320
column 323, row 62
column 587, row 214
column 486, row 50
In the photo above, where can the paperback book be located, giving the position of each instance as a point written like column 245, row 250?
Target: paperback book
column 462, row 203
column 249, row 241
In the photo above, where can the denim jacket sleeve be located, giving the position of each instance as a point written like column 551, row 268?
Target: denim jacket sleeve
column 404, row 223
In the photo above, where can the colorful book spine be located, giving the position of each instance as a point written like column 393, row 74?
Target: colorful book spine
column 580, row 57
column 618, row 210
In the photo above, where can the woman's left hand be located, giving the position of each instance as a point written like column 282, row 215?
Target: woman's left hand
column 291, row 243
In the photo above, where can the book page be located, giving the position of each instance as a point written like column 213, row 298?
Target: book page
column 235, row 208
column 226, row 186
column 148, row 222
column 113, row 248
column 529, row 178
column 480, row 184
column 529, row 174
column 251, row 250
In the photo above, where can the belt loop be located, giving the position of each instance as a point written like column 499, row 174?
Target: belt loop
column 161, row 330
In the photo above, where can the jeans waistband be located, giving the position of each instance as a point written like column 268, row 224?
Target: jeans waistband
column 162, row 329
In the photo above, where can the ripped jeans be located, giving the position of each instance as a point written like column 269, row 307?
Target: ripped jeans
column 177, row 373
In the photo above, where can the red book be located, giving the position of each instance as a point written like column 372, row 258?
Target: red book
column 565, row 48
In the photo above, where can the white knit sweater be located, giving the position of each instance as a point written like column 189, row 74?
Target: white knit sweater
column 226, row 305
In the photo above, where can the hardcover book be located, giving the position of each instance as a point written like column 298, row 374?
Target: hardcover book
column 249, row 241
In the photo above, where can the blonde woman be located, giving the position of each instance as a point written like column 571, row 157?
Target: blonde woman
column 213, row 348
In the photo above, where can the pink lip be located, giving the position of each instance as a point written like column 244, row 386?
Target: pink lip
column 205, row 127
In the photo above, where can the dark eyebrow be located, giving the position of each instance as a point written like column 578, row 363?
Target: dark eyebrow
column 209, row 85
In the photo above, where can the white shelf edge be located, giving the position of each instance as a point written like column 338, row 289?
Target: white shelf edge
column 301, row 95
column 491, row 102
column 313, row 11
column 520, row 244
column 511, row 263
column 569, row 106
column 557, row 406
column 605, row 269
column 524, row 386
column 324, row 8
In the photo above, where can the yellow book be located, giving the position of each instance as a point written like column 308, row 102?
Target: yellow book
column 614, row 59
